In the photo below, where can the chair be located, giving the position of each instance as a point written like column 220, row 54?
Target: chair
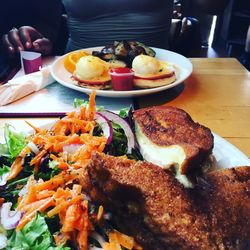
column 185, row 36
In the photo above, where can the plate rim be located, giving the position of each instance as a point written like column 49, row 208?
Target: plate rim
column 243, row 157
column 239, row 155
column 120, row 94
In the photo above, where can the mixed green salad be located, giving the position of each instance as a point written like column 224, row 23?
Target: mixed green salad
column 44, row 200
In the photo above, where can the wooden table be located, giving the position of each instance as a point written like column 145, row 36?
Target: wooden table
column 217, row 95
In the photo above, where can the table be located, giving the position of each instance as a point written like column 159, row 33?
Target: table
column 217, row 95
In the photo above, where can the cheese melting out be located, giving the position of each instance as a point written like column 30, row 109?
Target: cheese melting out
column 163, row 156
column 89, row 67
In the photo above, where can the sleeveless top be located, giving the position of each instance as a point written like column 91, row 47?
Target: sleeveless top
column 101, row 22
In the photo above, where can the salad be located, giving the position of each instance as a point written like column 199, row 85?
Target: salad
column 44, row 203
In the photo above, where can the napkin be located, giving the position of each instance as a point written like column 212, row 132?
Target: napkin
column 22, row 86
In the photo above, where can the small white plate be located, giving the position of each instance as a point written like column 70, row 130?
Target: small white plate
column 183, row 70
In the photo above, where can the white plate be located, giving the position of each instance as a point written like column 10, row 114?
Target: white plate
column 183, row 70
column 226, row 154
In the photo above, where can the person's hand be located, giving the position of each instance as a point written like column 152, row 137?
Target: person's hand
column 25, row 38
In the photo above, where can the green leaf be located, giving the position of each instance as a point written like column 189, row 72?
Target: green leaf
column 33, row 236
column 118, row 146
column 79, row 102
column 4, row 150
column 123, row 112
column 4, row 169
column 53, row 165
column 15, row 142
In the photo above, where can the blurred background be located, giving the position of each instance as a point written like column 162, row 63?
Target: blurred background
column 193, row 32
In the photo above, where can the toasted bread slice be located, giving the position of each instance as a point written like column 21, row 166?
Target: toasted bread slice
column 154, row 83
column 168, row 136
column 151, row 205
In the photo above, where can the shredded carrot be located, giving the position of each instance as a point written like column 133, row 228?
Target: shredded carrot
column 37, row 130
column 44, row 194
column 91, row 107
column 61, row 239
column 53, row 183
column 31, row 209
column 62, row 195
column 82, row 237
column 63, row 204
column 72, row 215
column 124, row 240
column 36, row 160
column 24, row 152
column 100, row 213
column 15, row 168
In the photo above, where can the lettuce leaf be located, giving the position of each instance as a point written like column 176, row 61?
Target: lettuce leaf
column 15, row 142
column 4, row 169
column 33, row 236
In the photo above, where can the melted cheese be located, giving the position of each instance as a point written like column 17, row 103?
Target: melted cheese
column 163, row 156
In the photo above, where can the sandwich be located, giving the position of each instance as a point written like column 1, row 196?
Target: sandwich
column 151, row 72
column 168, row 137
column 150, row 204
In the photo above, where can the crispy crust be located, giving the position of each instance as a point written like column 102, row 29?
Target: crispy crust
column 162, row 204
column 164, row 214
column 228, row 199
column 146, row 84
column 165, row 126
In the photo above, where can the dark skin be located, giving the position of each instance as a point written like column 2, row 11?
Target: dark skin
column 43, row 33
column 26, row 38
column 29, row 38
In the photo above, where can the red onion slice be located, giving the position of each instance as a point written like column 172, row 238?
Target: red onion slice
column 98, row 238
column 33, row 147
column 124, row 125
column 3, row 241
column 106, row 126
column 3, row 179
column 71, row 148
column 9, row 219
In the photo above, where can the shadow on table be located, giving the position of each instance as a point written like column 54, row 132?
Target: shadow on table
column 159, row 98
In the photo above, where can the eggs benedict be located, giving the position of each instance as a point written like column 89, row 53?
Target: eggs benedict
column 151, row 72
column 92, row 72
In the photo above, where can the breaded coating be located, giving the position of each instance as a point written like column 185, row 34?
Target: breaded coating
column 228, row 200
column 166, row 126
column 160, row 213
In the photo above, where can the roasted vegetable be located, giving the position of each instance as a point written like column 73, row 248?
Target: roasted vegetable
column 124, row 51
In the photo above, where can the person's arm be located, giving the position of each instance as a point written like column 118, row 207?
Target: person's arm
column 213, row 7
column 42, row 32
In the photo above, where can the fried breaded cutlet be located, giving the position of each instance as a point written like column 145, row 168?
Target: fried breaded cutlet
column 168, row 136
column 151, row 205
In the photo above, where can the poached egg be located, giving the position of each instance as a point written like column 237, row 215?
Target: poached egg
column 92, row 68
column 150, row 67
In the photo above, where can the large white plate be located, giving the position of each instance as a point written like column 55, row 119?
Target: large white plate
column 226, row 154
column 183, row 70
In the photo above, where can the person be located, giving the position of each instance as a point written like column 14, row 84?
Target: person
column 245, row 57
column 98, row 23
